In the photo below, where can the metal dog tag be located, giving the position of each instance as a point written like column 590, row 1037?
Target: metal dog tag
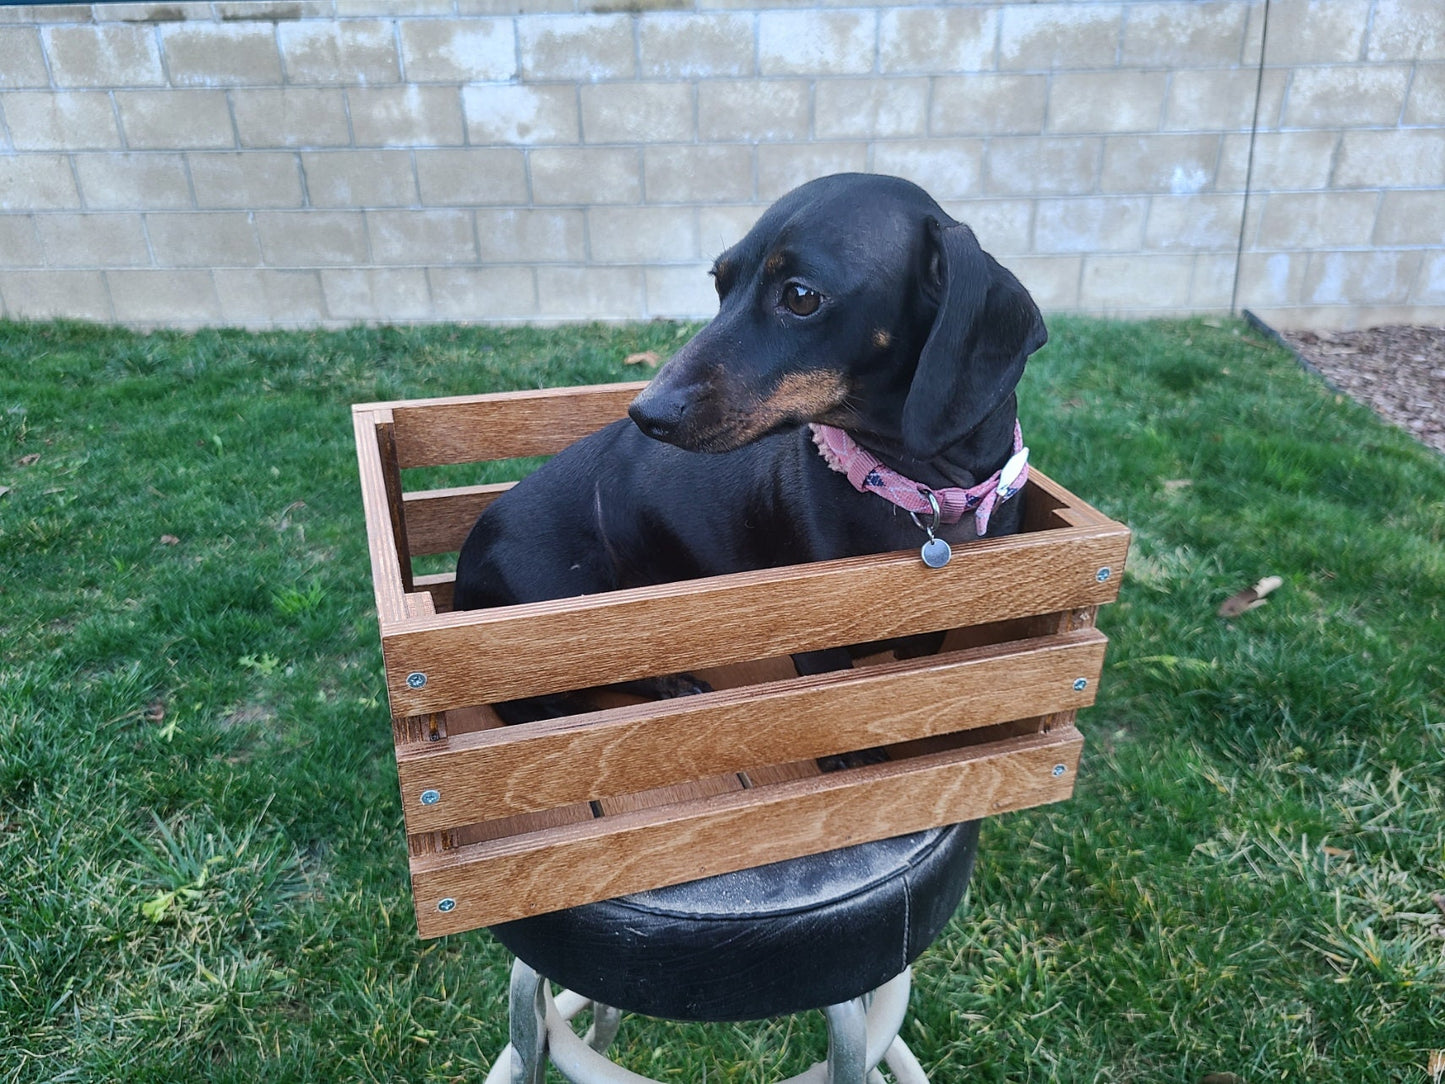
column 936, row 552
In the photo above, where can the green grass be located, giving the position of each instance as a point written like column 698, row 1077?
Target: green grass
column 199, row 826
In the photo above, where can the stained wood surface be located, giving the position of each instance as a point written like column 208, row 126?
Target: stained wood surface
column 382, row 544
column 612, row 856
column 438, row 520
column 486, row 655
column 498, row 773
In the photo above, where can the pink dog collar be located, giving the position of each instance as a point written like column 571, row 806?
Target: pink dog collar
column 868, row 475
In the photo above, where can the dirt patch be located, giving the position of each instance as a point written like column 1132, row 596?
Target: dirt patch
column 1397, row 371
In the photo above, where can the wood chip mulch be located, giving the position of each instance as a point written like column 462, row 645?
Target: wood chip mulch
column 1398, row 372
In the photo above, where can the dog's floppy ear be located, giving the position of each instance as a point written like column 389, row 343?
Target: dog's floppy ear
column 984, row 330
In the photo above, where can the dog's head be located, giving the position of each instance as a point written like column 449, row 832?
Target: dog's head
column 854, row 301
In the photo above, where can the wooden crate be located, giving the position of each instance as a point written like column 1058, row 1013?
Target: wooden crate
column 504, row 822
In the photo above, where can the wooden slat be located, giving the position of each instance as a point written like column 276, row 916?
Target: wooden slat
column 386, row 576
column 612, row 856
column 437, row 520
column 487, row 655
column 498, row 773
column 505, row 425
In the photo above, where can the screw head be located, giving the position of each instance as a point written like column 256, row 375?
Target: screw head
column 431, row 797
column 446, row 905
column 1059, row 770
column 1080, row 684
column 415, row 680
column 1103, row 574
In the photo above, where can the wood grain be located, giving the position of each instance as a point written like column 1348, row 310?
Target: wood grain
column 502, row 772
column 437, row 520
column 386, row 578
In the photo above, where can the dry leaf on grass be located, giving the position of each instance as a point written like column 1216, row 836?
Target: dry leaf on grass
column 1221, row 1078
column 155, row 711
column 649, row 358
column 1250, row 598
column 170, row 540
column 28, row 460
column 1436, row 1066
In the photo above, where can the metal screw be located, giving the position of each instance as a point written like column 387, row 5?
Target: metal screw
column 416, row 679
column 446, row 905
column 1103, row 573
column 1080, row 684
column 431, row 797
column 1059, row 770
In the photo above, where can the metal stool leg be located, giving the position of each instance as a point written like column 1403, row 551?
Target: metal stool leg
column 847, row 1042
column 528, row 1025
column 605, row 1023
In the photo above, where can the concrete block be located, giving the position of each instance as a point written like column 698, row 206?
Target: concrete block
column 523, row 235
column 1294, row 160
column 1135, row 281
column 1411, row 218
column 46, row 295
column 36, row 182
column 935, row 40
column 1210, row 100
column 422, row 236
column 1316, row 31
column 164, row 297
column 376, row 294
column 1341, row 96
column 63, row 120
column 1181, row 164
column 201, row 239
column 480, row 294
column 1116, row 101
column 1395, row 158
column 1202, row 223
column 406, row 116
column 771, row 110
column 246, row 180
column 339, row 51
column 1430, row 283
column 312, row 238
column 581, row 47
column 109, row 55
column 637, row 113
column 517, row 114
column 474, row 175
column 209, row 54
column 1233, row 168
column 1317, row 220
column 721, row 227
column 870, row 108
column 263, row 297
column 783, row 166
column 816, row 42
column 1271, row 279
column 1048, row 165
column 1052, row 281
column 1212, row 288
column 1059, row 36
column 93, row 240
column 686, row 45
column 458, row 50
column 367, row 178
column 347, row 9
column 126, row 182
column 19, row 243
column 635, row 235
column 1200, row 34
column 1090, row 225
column 1356, row 278
column 590, row 293
column 1002, row 226
column 946, row 168
column 1427, row 95
column 988, row 104
column 679, row 293
column 586, row 175
column 175, row 119
column 24, row 60
column 514, row 7
column 291, row 117
column 1406, row 30
column 700, row 173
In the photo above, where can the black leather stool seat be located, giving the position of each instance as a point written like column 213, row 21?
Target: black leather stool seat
column 758, row 943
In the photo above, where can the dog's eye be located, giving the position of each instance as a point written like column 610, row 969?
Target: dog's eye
column 800, row 300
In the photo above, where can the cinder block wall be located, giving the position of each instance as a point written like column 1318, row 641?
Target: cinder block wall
column 329, row 161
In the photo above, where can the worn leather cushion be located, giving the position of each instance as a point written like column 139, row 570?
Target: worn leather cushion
column 763, row 942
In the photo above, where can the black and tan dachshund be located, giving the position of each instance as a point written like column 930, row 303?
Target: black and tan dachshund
column 854, row 303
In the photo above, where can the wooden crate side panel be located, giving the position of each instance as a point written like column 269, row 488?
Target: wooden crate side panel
column 545, row 871
column 498, row 773
column 488, row 655
column 438, row 520
column 382, row 543
column 476, row 428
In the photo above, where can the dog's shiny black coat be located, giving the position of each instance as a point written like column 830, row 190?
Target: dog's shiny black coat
column 854, row 301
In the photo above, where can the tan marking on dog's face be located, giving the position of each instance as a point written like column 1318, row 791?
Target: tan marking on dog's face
column 881, row 339
column 806, row 395
column 774, row 263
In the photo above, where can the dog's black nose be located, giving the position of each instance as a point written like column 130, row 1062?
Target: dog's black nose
column 657, row 416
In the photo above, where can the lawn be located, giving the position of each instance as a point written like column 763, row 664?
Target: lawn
column 205, row 875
